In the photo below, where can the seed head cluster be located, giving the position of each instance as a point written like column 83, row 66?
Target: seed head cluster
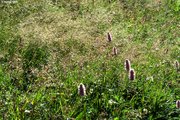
column 114, row 51
column 81, row 90
column 109, row 37
column 177, row 65
column 127, row 65
column 178, row 104
column 131, row 74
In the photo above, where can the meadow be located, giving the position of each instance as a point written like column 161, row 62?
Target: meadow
column 90, row 59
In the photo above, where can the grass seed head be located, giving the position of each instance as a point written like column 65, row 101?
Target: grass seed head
column 114, row 50
column 82, row 90
column 177, row 65
column 109, row 37
column 127, row 65
column 178, row 103
column 131, row 74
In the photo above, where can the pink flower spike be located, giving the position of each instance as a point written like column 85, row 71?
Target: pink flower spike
column 109, row 37
column 131, row 74
column 178, row 103
column 127, row 65
column 114, row 50
column 81, row 90
column 177, row 65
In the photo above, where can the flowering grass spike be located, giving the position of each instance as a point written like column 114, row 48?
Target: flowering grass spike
column 81, row 90
column 131, row 74
column 178, row 103
column 114, row 51
column 109, row 37
column 127, row 65
column 177, row 65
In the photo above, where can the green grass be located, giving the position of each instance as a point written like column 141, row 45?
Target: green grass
column 47, row 48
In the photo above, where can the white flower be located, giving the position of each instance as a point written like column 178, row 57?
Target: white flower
column 27, row 111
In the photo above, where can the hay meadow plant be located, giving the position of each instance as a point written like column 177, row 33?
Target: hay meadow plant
column 109, row 37
column 81, row 90
column 127, row 65
column 178, row 104
column 114, row 50
column 49, row 47
column 131, row 74
column 176, row 64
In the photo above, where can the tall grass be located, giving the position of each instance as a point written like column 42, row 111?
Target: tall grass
column 51, row 49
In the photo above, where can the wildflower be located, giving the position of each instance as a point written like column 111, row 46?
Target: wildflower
column 27, row 111
column 177, row 65
column 109, row 37
column 114, row 50
column 145, row 111
column 82, row 90
column 111, row 102
column 131, row 74
column 178, row 103
column 127, row 65
column 150, row 78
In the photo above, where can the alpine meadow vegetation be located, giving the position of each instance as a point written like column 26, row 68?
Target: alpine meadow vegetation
column 89, row 59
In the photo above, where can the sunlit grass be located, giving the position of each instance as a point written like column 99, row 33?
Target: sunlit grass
column 89, row 60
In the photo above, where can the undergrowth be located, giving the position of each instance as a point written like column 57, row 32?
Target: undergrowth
column 48, row 48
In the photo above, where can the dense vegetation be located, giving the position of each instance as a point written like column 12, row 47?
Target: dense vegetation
column 49, row 47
